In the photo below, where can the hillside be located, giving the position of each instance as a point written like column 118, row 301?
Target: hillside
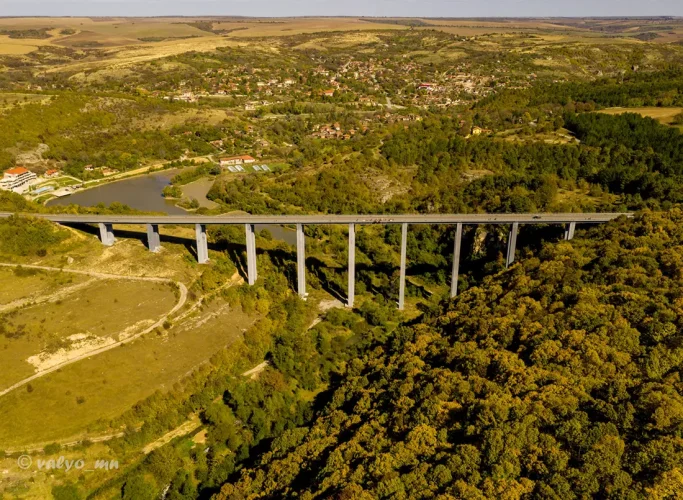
column 560, row 378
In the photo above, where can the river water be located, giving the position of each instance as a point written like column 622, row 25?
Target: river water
column 142, row 193
column 145, row 193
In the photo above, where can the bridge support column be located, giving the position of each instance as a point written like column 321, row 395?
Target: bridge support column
column 153, row 238
column 402, row 282
column 512, row 244
column 107, row 234
column 569, row 232
column 352, row 266
column 202, row 244
column 251, row 253
column 456, row 260
column 301, row 260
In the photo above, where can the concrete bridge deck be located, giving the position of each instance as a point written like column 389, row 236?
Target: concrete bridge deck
column 106, row 223
column 581, row 218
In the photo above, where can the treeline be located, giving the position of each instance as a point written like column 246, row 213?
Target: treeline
column 632, row 131
column 657, row 88
column 559, row 378
column 39, row 33
column 190, row 175
column 20, row 236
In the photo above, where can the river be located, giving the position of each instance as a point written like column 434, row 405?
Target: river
column 145, row 193
column 142, row 193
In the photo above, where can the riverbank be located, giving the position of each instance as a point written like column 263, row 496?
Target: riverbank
column 124, row 176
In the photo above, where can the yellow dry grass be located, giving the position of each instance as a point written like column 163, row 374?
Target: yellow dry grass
column 662, row 115
column 298, row 26
column 515, row 24
column 125, row 56
column 20, row 46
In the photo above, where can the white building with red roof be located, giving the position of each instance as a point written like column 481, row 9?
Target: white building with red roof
column 236, row 160
column 17, row 179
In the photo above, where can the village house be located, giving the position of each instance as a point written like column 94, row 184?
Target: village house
column 51, row 174
column 17, row 179
column 236, row 160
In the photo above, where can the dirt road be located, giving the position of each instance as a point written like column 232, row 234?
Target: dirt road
column 181, row 302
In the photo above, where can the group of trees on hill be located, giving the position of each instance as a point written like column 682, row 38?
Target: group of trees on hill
column 657, row 88
column 559, row 378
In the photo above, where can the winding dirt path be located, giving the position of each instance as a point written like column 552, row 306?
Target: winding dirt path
column 94, row 352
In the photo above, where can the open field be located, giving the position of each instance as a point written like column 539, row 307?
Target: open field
column 77, row 395
column 662, row 115
column 74, row 398
column 104, row 311
column 28, row 284
column 298, row 26
column 118, row 43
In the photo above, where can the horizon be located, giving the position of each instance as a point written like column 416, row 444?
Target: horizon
column 349, row 16
column 458, row 9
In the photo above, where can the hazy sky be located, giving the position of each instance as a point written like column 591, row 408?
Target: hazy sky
column 273, row 8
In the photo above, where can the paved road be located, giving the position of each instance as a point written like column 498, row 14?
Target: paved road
column 581, row 218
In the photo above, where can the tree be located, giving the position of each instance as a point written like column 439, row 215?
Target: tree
column 138, row 488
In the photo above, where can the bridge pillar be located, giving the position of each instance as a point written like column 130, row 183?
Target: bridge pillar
column 251, row 253
column 569, row 232
column 107, row 234
column 512, row 244
column 456, row 260
column 352, row 266
column 202, row 244
column 153, row 238
column 402, row 282
column 301, row 260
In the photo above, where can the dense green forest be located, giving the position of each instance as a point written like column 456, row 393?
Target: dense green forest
column 559, row 378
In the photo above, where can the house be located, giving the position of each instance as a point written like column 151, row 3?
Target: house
column 236, row 160
column 51, row 174
column 328, row 93
column 17, row 179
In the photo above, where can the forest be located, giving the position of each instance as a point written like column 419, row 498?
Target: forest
column 559, row 378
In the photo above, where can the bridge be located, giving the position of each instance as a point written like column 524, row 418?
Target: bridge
column 106, row 223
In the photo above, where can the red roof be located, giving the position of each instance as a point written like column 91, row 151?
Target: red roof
column 241, row 157
column 16, row 171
